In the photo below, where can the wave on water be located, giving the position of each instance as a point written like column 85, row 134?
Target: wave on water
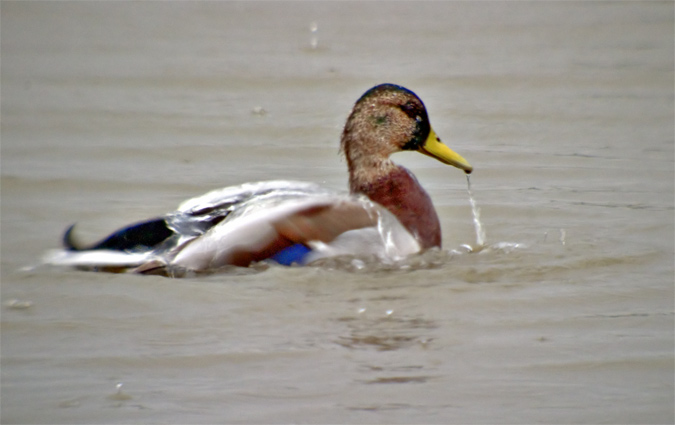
column 434, row 258
column 431, row 259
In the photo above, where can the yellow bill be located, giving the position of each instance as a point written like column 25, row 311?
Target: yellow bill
column 434, row 148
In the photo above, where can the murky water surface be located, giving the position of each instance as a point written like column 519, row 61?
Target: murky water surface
column 116, row 112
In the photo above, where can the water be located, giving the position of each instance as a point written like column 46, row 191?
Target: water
column 116, row 112
column 475, row 211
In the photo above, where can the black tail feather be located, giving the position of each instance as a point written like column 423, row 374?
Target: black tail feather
column 68, row 241
column 139, row 236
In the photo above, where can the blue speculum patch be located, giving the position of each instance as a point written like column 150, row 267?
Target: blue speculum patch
column 293, row 254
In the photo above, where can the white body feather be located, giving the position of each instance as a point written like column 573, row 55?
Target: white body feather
column 250, row 211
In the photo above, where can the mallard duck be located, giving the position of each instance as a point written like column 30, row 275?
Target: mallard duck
column 386, row 213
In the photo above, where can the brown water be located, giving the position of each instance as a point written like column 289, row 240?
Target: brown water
column 115, row 112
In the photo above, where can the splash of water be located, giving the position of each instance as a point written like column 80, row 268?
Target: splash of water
column 480, row 232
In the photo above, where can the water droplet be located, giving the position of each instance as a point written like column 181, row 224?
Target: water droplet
column 314, row 40
column 119, row 395
column 467, row 247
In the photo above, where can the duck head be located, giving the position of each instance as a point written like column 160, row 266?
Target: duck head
column 389, row 119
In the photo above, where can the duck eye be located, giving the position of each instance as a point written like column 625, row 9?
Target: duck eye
column 412, row 110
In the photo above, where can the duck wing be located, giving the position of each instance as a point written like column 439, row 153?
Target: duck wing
column 258, row 234
column 283, row 220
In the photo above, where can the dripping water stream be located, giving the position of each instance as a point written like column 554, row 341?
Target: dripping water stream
column 480, row 232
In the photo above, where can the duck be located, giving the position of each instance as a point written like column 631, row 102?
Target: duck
column 386, row 213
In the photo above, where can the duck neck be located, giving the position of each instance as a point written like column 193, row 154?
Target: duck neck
column 366, row 169
column 397, row 189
